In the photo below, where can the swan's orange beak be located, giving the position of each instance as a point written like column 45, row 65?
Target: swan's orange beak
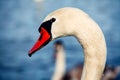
column 42, row 41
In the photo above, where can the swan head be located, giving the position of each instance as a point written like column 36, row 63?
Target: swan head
column 46, row 35
column 57, row 24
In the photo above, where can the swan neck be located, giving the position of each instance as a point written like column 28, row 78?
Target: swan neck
column 60, row 65
column 94, row 49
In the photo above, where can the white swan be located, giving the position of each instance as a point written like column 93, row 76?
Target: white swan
column 75, row 22
column 60, row 64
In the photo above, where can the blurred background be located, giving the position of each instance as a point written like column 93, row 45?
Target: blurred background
column 19, row 23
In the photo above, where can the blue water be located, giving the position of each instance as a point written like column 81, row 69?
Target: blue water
column 19, row 22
